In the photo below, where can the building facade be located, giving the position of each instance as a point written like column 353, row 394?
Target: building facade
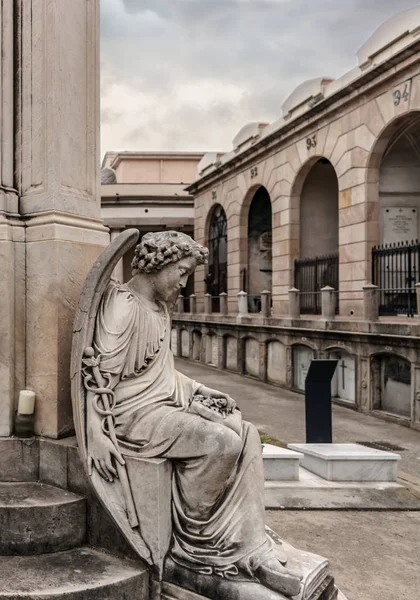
column 146, row 190
column 325, row 198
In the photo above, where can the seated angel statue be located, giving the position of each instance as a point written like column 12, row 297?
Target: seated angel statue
column 218, row 490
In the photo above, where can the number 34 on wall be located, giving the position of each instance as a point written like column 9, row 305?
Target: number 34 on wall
column 401, row 94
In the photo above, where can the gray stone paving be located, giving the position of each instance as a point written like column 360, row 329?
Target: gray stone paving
column 281, row 414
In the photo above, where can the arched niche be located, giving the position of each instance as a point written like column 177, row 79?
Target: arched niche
column 252, row 357
column 302, row 356
column 394, row 181
column 185, row 343
column 276, row 362
column 174, row 341
column 315, row 192
column 231, row 352
column 343, row 384
column 212, row 349
column 197, row 345
column 216, row 278
column 391, row 384
column 259, row 268
column 318, row 223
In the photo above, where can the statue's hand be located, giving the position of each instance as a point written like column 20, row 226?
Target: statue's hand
column 101, row 451
column 230, row 402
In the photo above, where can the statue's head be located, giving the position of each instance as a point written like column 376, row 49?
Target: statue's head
column 169, row 257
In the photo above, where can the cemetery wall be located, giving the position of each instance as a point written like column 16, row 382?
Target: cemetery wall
column 378, row 364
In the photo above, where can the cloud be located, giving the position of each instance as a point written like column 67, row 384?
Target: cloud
column 188, row 74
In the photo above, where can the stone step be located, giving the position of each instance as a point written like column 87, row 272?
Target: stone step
column 78, row 574
column 36, row 518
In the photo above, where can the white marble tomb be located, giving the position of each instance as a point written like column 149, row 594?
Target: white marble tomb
column 348, row 462
column 280, row 464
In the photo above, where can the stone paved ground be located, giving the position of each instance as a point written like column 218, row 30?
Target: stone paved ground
column 374, row 555
column 281, row 414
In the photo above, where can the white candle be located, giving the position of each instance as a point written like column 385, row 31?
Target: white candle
column 26, row 402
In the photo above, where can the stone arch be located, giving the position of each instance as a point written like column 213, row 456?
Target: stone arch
column 394, row 132
column 230, row 352
column 197, row 344
column 344, row 382
column 243, row 231
column 185, row 343
column 251, row 356
column 216, row 233
column 212, row 349
column 256, row 245
column 174, row 341
column 276, row 361
column 314, row 211
column 302, row 355
column 391, row 384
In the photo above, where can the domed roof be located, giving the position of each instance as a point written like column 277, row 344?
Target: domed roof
column 108, row 176
column 394, row 28
column 247, row 133
column 305, row 92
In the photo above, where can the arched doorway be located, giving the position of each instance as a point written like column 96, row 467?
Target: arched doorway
column 395, row 261
column 216, row 279
column 259, row 272
column 391, row 384
column 317, row 266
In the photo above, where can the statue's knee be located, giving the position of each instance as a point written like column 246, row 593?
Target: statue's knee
column 232, row 444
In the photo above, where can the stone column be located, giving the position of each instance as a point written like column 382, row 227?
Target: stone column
column 118, row 272
column 242, row 304
column 193, row 304
column 371, row 302
column 223, row 304
column 328, row 303
column 12, row 237
column 294, row 304
column 266, row 304
column 208, row 308
column 57, row 125
column 179, row 307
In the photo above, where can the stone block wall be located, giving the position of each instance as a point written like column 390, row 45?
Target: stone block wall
column 375, row 360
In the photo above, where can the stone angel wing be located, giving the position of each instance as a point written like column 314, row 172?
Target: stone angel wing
column 116, row 496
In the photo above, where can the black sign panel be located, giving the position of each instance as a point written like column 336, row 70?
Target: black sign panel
column 318, row 413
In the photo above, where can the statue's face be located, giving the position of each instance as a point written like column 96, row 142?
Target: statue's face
column 169, row 281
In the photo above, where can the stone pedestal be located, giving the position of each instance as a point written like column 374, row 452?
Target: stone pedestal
column 266, row 304
column 328, row 303
column 294, row 304
column 223, row 304
column 370, row 302
column 208, row 304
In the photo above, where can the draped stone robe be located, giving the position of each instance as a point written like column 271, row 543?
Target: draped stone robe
column 218, row 482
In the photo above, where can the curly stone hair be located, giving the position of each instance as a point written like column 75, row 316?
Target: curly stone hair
column 160, row 248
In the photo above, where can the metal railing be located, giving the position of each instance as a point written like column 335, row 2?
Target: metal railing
column 313, row 274
column 395, row 270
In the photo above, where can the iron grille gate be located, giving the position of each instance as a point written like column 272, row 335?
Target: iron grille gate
column 311, row 275
column 395, row 270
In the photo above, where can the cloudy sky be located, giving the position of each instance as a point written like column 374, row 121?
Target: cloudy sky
column 188, row 74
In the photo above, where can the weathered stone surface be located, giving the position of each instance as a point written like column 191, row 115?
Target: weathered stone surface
column 81, row 574
column 19, row 459
column 37, row 519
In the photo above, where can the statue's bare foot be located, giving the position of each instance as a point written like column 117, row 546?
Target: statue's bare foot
column 273, row 575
